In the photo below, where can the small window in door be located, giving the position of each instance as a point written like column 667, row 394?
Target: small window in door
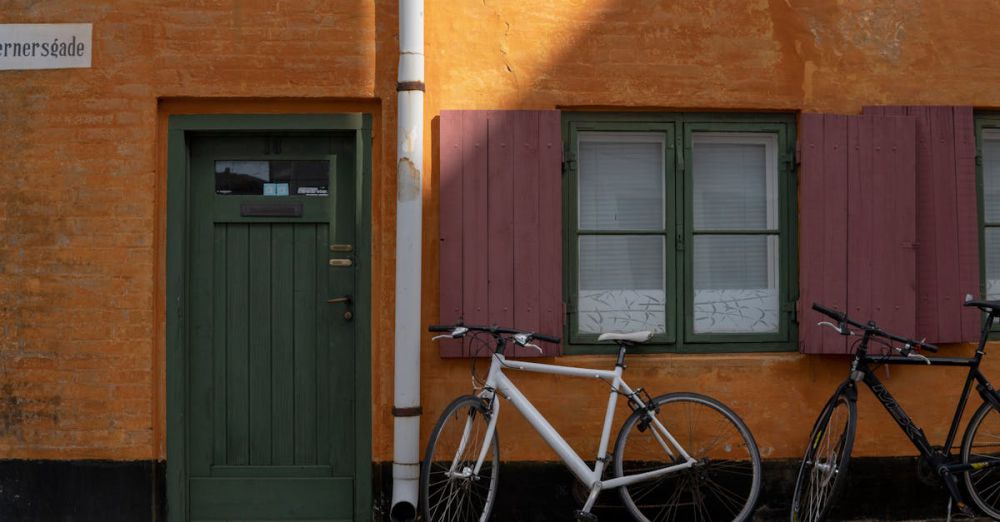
column 272, row 177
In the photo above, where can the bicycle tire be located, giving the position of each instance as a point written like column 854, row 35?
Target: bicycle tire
column 469, row 497
column 720, row 477
column 815, row 471
column 983, row 485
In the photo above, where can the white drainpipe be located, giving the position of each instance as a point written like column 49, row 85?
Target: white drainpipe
column 409, row 223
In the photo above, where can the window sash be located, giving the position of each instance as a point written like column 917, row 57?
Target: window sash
column 679, row 233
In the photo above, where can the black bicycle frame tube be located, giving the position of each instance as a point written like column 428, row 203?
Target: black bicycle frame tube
column 906, row 424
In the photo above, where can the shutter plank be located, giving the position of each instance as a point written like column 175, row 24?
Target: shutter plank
column 834, row 276
column 817, row 211
column 968, row 219
column 550, row 228
column 881, row 226
column 905, row 186
column 475, row 242
column 526, row 224
column 450, row 204
column 500, row 187
column 942, row 131
column 860, row 209
column 927, row 264
column 811, row 231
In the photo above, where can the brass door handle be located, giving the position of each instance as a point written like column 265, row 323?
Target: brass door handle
column 346, row 299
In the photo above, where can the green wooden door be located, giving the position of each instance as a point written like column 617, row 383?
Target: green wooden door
column 270, row 379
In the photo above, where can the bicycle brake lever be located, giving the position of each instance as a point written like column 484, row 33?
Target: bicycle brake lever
column 439, row 337
column 919, row 356
column 841, row 331
column 535, row 346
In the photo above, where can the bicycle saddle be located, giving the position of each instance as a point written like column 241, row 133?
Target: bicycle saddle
column 634, row 337
column 984, row 305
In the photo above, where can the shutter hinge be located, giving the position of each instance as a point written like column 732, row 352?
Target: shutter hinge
column 568, row 165
column 979, row 160
column 565, row 314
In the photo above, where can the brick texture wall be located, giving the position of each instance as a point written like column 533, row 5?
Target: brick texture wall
column 82, row 172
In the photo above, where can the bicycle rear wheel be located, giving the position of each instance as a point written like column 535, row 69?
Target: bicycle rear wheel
column 821, row 475
column 722, row 485
column 450, row 489
column 981, row 445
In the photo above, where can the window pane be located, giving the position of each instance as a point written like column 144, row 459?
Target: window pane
column 991, row 176
column 621, row 284
column 992, row 237
column 621, row 181
column 272, row 178
column 734, row 182
column 735, row 284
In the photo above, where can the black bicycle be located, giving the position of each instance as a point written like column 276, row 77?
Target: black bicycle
column 821, row 475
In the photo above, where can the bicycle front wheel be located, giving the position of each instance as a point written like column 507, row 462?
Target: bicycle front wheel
column 450, row 487
column 824, row 466
column 981, row 448
column 724, row 482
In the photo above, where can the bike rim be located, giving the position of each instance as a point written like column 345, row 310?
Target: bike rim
column 983, row 447
column 453, row 490
column 823, row 464
column 720, row 486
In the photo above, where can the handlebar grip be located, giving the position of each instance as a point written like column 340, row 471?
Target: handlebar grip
column 839, row 316
column 546, row 338
column 929, row 347
column 440, row 328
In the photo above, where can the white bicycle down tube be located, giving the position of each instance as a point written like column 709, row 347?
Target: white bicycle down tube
column 551, row 436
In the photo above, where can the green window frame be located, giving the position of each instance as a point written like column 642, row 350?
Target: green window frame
column 677, row 132
column 987, row 128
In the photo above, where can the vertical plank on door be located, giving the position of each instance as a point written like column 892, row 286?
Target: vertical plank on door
column 282, row 342
column 260, row 344
column 322, row 356
column 219, row 343
column 237, row 315
column 304, row 306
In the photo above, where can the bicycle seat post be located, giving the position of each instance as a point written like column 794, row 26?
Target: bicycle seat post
column 622, row 345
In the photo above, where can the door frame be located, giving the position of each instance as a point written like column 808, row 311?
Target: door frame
column 179, row 129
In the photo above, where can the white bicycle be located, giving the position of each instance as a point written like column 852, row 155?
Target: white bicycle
column 706, row 466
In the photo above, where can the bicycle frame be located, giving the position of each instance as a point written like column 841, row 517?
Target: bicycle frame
column 497, row 382
column 860, row 370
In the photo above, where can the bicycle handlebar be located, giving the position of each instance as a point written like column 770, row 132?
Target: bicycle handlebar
column 843, row 320
column 495, row 330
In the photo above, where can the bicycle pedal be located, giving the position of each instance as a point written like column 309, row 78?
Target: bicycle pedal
column 582, row 516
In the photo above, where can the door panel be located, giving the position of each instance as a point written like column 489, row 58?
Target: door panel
column 271, row 377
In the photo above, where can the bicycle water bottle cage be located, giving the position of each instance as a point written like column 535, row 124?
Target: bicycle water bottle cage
column 649, row 406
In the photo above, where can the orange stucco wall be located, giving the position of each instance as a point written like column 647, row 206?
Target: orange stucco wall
column 83, row 177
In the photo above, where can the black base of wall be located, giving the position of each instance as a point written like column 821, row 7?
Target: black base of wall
column 82, row 490
column 877, row 489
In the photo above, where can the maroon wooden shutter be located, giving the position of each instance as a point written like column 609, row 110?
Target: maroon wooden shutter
column 947, row 221
column 501, row 223
column 857, row 224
